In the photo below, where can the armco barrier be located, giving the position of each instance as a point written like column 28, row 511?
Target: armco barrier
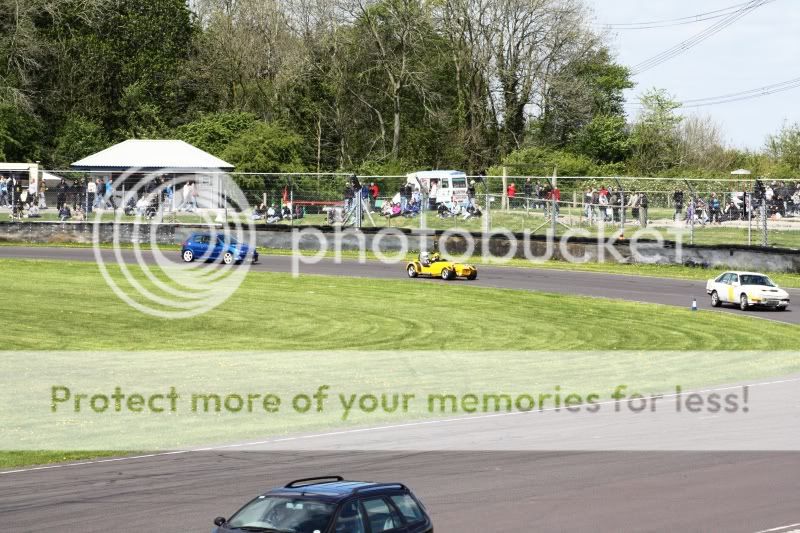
column 496, row 245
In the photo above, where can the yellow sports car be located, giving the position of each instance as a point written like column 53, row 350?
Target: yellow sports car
column 434, row 266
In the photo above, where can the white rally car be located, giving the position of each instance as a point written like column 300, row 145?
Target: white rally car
column 746, row 289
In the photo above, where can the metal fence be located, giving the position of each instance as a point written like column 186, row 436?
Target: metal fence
column 700, row 211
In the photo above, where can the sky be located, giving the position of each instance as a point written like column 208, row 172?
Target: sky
column 759, row 49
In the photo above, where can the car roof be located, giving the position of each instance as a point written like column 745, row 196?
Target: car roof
column 334, row 490
column 744, row 273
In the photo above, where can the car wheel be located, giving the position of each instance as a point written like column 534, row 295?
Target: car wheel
column 743, row 302
column 473, row 276
column 447, row 274
column 228, row 258
column 412, row 271
column 188, row 256
column 715, row 301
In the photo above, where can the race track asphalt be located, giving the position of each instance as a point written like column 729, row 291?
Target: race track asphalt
column 465, row 492
column 665, row 291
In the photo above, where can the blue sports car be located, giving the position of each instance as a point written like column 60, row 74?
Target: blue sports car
column 205, row 246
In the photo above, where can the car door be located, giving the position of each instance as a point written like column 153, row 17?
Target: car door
column 721, row 286
column 350, row 519
column 381, row 516
column 733, row 282
column 411, row 511
column 200, row 246
column 219, row 247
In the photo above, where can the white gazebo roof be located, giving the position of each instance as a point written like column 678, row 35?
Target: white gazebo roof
column 145, row 154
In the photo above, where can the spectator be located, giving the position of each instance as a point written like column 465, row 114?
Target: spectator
column 714, row 208
column 538, row 192
column 64, row 213
column 349, row 195
column 605, row 209
column 273, row 215
column 511, row 192
column 677, row 199
column 286, row 212
column 471, row 192
column 91, row 195
column 110, row 194
column 189, row 200
column 588, row 207
column 554, row 198
column 434, row 192
column 644, row 204
column 633, row 203
column 61, row 194
column 374, row 192
column 527, row 190
column 41, row 194
column 259, row 212
column 4, row 196
column 169, row 196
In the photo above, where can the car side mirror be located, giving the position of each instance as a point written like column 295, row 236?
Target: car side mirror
column 219, row 521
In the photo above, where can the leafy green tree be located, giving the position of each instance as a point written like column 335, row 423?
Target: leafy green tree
column 20, row 135
column 587, row 93
column 265, row 148
column 655, row 136
column 604, row 139
column 215, row 131
column 78, row 138
column 784, row 148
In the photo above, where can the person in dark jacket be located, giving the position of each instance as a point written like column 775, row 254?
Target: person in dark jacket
column 677, row 199
column 644, row 203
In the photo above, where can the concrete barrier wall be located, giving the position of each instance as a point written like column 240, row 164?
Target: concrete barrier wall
column 454, row 243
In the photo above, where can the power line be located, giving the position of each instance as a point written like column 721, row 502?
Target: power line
column 758, row 92
column 696, row 39
column 666, row 23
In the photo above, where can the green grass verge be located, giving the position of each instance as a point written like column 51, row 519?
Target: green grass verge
column 20, row 459
column 67, row 306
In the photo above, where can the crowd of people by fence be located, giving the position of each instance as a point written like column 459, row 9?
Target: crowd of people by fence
column 75, row 199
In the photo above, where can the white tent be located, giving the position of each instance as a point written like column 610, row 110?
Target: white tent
column 149, row 155
column 131, row 161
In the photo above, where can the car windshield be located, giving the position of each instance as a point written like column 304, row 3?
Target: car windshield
column 292, row 515
column 750, row 279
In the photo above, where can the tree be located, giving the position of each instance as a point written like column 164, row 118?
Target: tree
column 587, row 87
column 700, row 145
column 784, row 147
column 266, row 148
column 215, row 131
column 604, row 139
column 525, row 43
column 78, row 138
column 393, row 35
column 655, row 134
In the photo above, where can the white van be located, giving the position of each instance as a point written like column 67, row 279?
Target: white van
column 442, row 185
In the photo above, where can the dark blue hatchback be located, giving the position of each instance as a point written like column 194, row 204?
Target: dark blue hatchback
column 331, row 505
column 208, row 247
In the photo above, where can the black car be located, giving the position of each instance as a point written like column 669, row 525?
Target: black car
column 330, row 504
